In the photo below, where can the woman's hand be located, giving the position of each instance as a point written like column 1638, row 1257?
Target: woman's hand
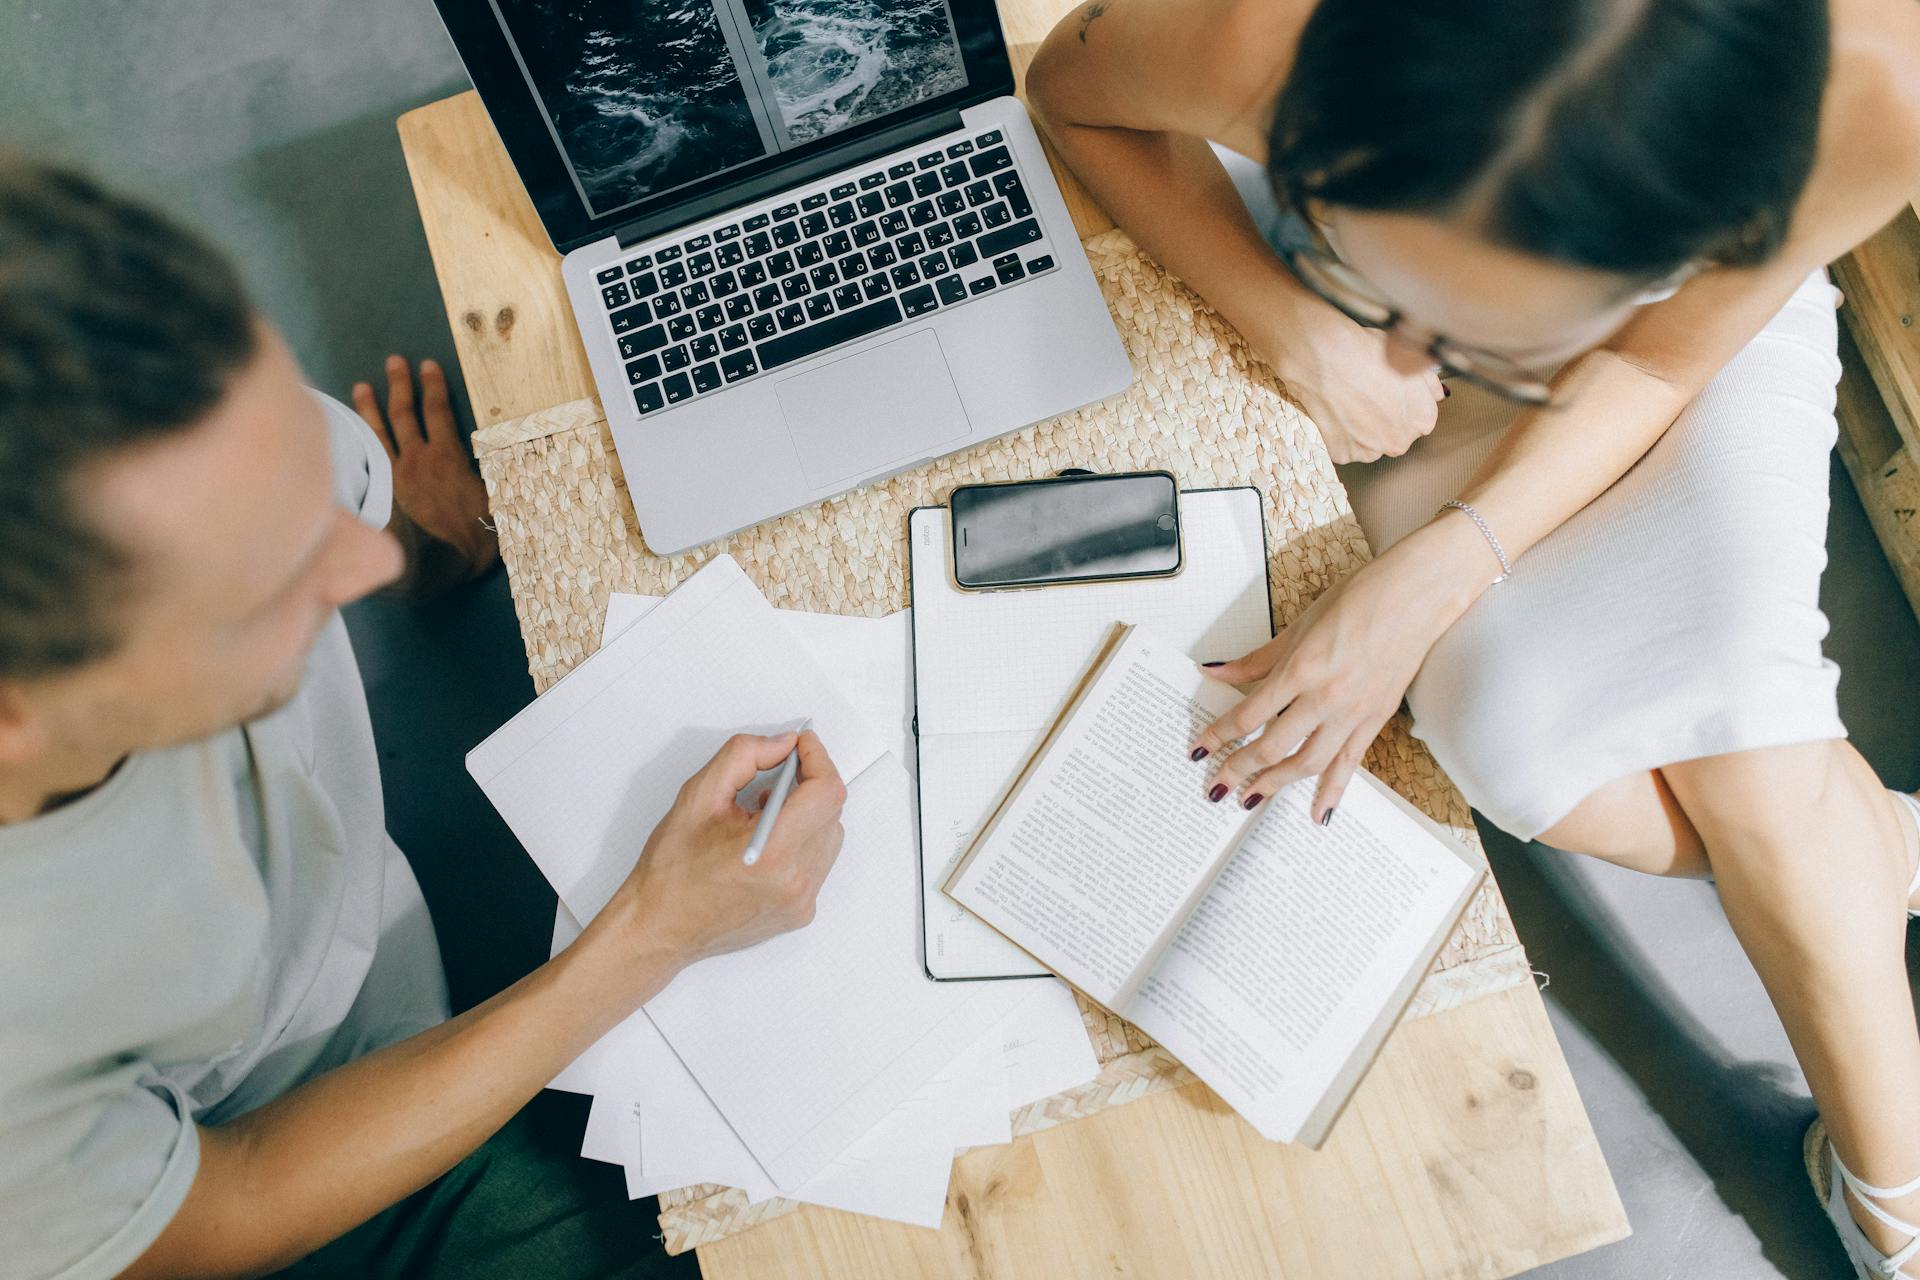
column 1365, row 405
column 1329, row 682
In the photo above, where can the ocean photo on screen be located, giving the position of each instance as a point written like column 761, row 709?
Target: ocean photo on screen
column 642, row 93
column 835, row 63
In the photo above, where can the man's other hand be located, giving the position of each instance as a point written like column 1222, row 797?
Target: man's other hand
column 692, row 895
column 440, row 504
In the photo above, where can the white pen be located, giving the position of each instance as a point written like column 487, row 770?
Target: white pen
column 776, row 796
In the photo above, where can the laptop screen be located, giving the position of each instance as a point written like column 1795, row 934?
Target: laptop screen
column 643, row 97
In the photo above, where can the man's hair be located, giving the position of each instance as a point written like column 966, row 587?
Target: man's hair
column 117, row 326
column 1632, row 136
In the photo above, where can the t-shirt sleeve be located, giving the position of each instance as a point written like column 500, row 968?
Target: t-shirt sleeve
column 362, row 475
column 93, row 1166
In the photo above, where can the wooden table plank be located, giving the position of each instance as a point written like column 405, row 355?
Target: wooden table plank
column 1465, row 1153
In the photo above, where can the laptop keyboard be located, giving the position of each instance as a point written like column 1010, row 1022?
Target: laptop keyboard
column 835, row 265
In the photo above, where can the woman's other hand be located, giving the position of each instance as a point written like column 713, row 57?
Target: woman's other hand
column 1368, row 400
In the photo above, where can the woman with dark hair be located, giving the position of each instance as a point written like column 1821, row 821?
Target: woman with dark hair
column 1585, row 239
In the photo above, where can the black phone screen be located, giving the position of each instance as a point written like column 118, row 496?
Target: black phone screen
column 1069, row 529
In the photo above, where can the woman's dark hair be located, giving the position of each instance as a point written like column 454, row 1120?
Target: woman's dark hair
column 1631, row 136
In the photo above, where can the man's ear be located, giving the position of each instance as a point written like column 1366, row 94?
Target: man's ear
column 23, row 724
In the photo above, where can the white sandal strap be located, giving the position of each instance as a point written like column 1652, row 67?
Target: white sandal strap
column 1913, row 804
column 1862, row 1192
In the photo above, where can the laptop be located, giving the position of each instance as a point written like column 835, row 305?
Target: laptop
column 808, row 243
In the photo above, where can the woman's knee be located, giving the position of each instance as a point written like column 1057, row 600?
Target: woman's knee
column 1761, row 800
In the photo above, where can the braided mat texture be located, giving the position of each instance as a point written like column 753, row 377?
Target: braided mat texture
column 1201, row 406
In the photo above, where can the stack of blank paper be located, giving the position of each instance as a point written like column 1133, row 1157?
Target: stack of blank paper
column 822, row 1065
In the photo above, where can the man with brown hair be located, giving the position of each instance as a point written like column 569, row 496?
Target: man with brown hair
column 223, row 1034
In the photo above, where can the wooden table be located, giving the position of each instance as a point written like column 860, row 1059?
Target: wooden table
column 1465, row 1153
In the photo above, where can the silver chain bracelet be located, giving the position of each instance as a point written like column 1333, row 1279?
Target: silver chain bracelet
column 1486, row 531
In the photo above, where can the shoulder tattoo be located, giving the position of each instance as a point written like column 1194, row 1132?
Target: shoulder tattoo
column 1088, row 15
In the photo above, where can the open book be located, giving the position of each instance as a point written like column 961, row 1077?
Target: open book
column 1269, row 954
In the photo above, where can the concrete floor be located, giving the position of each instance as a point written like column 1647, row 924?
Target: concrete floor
column 270, row 123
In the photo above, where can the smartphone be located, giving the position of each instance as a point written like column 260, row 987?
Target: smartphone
column 1074, row 528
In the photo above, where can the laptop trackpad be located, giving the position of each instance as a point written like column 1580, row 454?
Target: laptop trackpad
column 893, row 404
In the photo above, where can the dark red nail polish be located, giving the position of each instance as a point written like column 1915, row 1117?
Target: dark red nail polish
column 1213, row 664
column 1253, row 801
column 1445, row 391
column 1219, row 790
column 1199, row 753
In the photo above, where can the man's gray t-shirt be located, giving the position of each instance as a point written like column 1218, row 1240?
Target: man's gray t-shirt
column 216, row 923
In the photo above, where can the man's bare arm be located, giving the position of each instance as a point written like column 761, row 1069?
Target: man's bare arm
column 279, row 1182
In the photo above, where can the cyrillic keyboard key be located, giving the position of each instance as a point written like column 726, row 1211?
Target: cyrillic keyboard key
column 844, row 327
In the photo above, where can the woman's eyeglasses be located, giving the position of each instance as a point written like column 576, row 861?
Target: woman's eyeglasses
column 1314, row 263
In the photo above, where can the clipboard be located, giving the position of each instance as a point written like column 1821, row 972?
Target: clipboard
column 992, row 669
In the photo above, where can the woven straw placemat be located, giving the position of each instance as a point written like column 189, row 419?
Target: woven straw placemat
column 1201, row 406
